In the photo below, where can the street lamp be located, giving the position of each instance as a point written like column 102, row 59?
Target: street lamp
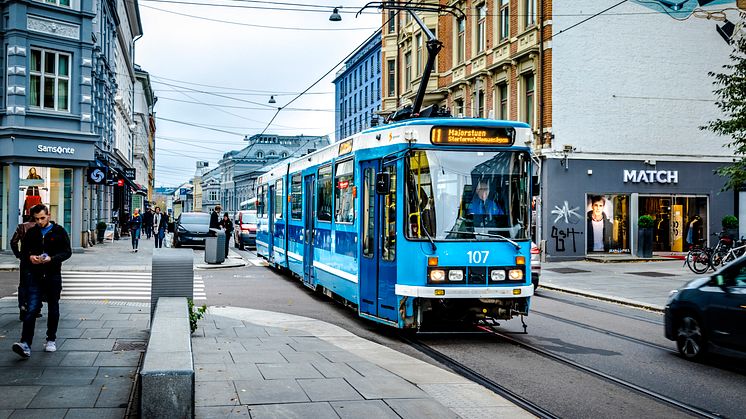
column 335, row 17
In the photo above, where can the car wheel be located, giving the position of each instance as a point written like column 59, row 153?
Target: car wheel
column 690, row 338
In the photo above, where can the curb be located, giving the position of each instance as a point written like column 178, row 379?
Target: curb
column 619, row 300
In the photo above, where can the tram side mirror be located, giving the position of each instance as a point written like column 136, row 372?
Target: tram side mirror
column 535, row 186
column 383, row 183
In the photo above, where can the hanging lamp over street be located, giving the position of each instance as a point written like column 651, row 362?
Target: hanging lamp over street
column 335, row 17
column 272, row 99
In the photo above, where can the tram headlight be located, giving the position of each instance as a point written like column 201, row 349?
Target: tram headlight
column 515, row 274
column 455, row 275
column 437, row 275
column 497, row 275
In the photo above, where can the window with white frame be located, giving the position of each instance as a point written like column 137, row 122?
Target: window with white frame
column 49, row 73
column 481, row 29
column 529, row 13
column 502, row 101
column 479, row 99
column 460, row 40
column 504, row 15
column 391, row 79
column 64, row 3
column 407, row 70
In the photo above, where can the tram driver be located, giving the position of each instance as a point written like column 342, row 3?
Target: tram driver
column 483, row 208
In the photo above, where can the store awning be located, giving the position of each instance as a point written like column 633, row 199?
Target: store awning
column 133, row 186
column 141, row 190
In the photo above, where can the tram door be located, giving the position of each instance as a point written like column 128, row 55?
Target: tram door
column 271, row 222
column 309, row 186
column 378, row 261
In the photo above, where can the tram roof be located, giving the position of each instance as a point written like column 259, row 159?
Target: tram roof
column 369, row 138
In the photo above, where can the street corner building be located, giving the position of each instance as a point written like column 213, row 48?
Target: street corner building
column 72, row 120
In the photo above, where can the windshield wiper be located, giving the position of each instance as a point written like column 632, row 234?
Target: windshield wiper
column 496, row 236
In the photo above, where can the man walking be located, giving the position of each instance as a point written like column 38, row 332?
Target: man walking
column 147, row 222
column 160, row 226
column 24, row 265
column 45, row 246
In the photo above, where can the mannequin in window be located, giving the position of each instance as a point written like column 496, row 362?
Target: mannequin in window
column 694, row 235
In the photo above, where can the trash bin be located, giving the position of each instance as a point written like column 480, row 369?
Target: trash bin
column 215, row 246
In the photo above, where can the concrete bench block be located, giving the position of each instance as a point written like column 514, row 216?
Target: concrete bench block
column 172, row 275
column 167, row 375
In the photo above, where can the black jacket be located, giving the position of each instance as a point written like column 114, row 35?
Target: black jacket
column 214, row 220
column 56, row 244
column 147, row 218
column 163, row 224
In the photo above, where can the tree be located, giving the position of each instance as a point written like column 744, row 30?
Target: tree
column 731, row 99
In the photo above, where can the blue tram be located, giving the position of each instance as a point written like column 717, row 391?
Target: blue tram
column 417, row 221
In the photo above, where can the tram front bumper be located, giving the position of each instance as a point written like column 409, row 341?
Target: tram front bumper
column 503, row 292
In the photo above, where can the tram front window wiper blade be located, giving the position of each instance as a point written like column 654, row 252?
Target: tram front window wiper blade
column 495, row 236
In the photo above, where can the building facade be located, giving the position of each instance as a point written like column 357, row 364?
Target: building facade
column 143, row 151
column 357, row 89
column 58, row 137
column 262, row 151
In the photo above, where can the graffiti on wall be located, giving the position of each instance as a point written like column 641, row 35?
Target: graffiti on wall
column 570, row 215
column 564, row 238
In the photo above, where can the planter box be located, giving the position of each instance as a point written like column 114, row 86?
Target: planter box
column 645, row 242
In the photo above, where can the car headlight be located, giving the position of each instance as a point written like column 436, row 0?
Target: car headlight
column 456, row 275
column 672, row 296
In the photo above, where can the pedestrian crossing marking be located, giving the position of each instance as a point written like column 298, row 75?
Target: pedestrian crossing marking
column 107, row 285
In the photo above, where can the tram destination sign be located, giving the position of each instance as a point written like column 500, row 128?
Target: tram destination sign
column 500, row 136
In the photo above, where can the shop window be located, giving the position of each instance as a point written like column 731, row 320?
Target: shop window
column 607, row 223
column 49, row 186
column 296, row 197
column 344, row 197
column 49, row 78
column 324, row 194
column 678, row 222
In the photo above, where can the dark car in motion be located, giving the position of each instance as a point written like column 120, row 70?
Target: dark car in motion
column 191, row 228
column 709, row 313
column 244, row 229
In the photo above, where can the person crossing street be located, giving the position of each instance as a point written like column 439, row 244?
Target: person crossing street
column 45, row 246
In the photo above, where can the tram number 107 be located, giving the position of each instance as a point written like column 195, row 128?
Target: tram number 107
column 478, row 256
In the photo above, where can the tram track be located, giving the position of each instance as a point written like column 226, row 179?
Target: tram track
column 684, row 407
column 599, row 309
column 603, row 331
column 478, row 378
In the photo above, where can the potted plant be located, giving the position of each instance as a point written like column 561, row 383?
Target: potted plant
column 730, row 226
column 645, row 236
column 100, row 229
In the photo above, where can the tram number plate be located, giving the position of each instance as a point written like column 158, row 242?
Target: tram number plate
column 478, row 256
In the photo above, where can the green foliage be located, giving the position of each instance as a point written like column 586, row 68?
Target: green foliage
column 645, row 221
column 730, row 90
column 195, row 314
column 101, row 225
column 730, row 221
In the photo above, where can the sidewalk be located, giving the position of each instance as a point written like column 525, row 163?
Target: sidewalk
column 642, row 284
column 117, row 256
column 92, row 373
column 260, row 364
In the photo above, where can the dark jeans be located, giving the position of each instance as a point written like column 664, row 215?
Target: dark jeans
column 159, row 238
column 39, row 284
column 227, row 242
column 148, row 230
column 22, row 286
column 135, row 238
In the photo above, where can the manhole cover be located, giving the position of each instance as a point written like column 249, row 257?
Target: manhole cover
column 651, row 274
column 129, row 345
column 567, row 270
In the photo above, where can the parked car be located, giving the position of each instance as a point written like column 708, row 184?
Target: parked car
column 709, row 313
column 191, row 228
column 244, row 231
column 535, row 265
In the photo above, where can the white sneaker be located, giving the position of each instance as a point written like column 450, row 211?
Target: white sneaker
column 50, row 346
column 22, row 349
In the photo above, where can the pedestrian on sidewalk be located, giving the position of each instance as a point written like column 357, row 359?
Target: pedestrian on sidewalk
column 45, row 246
column 160, row 226
column 227, row 225
column 15, row 241
column 135, row 228
column 147, row 222
column 215, row 217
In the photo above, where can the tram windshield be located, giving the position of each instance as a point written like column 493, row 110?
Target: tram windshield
column 476, row 195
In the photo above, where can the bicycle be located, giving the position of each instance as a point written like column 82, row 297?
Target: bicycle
column 734, row 252
column 699, row 259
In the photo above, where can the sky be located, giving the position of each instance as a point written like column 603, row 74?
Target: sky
column 214, row 72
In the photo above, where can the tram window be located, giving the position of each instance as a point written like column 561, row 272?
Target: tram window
column 296, row 204
column 324, row 193
column 369, row 199
column 344, row 202
column 261, row 202
column 388, row 247
column 278, row 199
column 420, row 203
